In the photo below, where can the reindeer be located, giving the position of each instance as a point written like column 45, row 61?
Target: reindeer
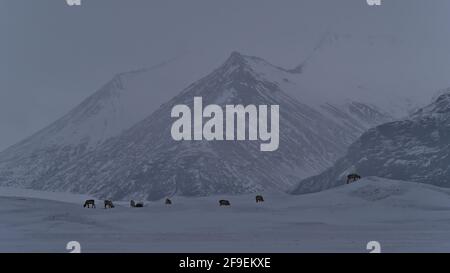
column 259, row 198
column 109, row 204
column 353, row 177
column 136, row 205
column 89, row 204
column 168, row 201
column 224, row 203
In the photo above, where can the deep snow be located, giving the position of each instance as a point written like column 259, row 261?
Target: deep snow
column 402, row 216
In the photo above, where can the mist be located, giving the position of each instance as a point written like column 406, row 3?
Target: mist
column 54, row 56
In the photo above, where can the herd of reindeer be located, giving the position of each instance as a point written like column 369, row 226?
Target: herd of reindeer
column 109, row 204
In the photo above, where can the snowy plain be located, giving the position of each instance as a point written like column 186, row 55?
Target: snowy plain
column 402, row 216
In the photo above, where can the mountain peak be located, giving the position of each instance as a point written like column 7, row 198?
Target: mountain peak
column 441, row 105
column 443, row 98
column 239, row 61
column 236, row 54
column 236, row 59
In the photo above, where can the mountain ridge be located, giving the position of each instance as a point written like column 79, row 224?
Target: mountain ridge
column 414, row 149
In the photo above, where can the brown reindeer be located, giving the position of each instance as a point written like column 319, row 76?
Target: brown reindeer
column 109, row 204
column 353, row 177
column 224, row 203
column 89, row 204
column 259, row 198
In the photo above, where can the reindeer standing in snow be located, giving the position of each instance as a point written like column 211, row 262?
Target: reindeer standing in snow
column 89, row 204
column 353, row 177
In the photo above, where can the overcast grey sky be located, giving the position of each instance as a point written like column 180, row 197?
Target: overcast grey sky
column 52, row 56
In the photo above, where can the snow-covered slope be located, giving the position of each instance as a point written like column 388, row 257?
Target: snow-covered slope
column 145, row 162
column 125, row 100
column 414, row 149
column 402, row 216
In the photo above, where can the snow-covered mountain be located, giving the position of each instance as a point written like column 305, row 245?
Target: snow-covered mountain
column 122, row 102
column 144, row 161
column 377, row 69
column 415, row 149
